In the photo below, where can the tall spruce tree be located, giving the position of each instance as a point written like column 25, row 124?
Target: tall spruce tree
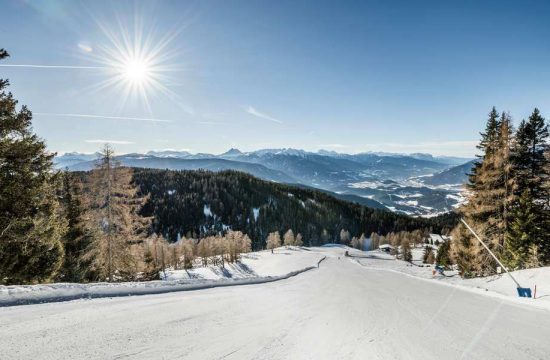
column 531, row 174
column 78, row 237
column 489, row 201
column 486, row 145
column 529, row 156
column 30, row 225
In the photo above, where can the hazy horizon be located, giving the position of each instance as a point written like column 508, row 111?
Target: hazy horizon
column 319, row 151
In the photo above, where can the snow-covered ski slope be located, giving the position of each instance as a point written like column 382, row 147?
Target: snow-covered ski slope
column 340, row 311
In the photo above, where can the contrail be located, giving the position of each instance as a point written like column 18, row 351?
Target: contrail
column 104, row 117
column 53, row 66
column 254, row 112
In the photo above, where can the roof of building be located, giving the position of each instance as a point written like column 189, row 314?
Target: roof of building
column 436, row 237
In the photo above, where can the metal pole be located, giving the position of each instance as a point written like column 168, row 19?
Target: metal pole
column 490, row 252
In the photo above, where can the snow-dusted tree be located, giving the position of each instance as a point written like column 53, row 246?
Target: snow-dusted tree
column 289, row 238
column 273, row 241
column 115, row 204
column 299, row 241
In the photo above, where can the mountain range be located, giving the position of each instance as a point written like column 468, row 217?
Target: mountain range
column 414, row 184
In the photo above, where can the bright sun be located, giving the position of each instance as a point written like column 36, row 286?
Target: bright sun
column 136, row 61
column 136, row 71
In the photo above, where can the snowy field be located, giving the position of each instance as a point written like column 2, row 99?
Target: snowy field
column 254, row 268
column 496, row 286
column 348, row 308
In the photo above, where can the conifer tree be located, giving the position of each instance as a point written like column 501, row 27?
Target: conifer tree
column 344, row 237
column 443, row 257
column 531, row 174
column 30, row 224
column 491, row 196
column 289, row 238
column 428, row 256
column 375, row 240
column 273, row 241
column 523, row 232
column 406, row 251
column 486, row 145
column 77, row 237
column 115, row 206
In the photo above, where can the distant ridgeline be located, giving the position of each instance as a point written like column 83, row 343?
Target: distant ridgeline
column 200, row 203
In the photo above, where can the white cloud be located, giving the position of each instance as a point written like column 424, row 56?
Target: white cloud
column 102, row 141
column 252, row 111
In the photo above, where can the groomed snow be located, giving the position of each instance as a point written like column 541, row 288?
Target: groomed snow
column 498, row 285
column 341, row 310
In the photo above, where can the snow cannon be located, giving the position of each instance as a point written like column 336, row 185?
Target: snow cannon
column 524, row 292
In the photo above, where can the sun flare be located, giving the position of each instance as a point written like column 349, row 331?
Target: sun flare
column 136, row 61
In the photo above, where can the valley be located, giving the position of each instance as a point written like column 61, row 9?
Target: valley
column 415, row 184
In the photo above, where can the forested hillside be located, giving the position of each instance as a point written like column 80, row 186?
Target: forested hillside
column 200, row 203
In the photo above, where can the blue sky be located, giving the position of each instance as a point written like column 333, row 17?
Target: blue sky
column 397, row 76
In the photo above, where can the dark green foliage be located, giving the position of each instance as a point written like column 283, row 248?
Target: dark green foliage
column 30, row 226
column 178, row 199
column 528, row 155
column 532, row 174
column 78, row 237
column 443, row 257
column 525, row 232
column 487, row 145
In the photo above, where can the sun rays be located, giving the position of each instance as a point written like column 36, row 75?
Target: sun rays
column 137, row 61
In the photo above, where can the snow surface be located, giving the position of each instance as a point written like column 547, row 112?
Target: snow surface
column 501, row 286
column 257, row 267
column 256, row 264
column 361, row 307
